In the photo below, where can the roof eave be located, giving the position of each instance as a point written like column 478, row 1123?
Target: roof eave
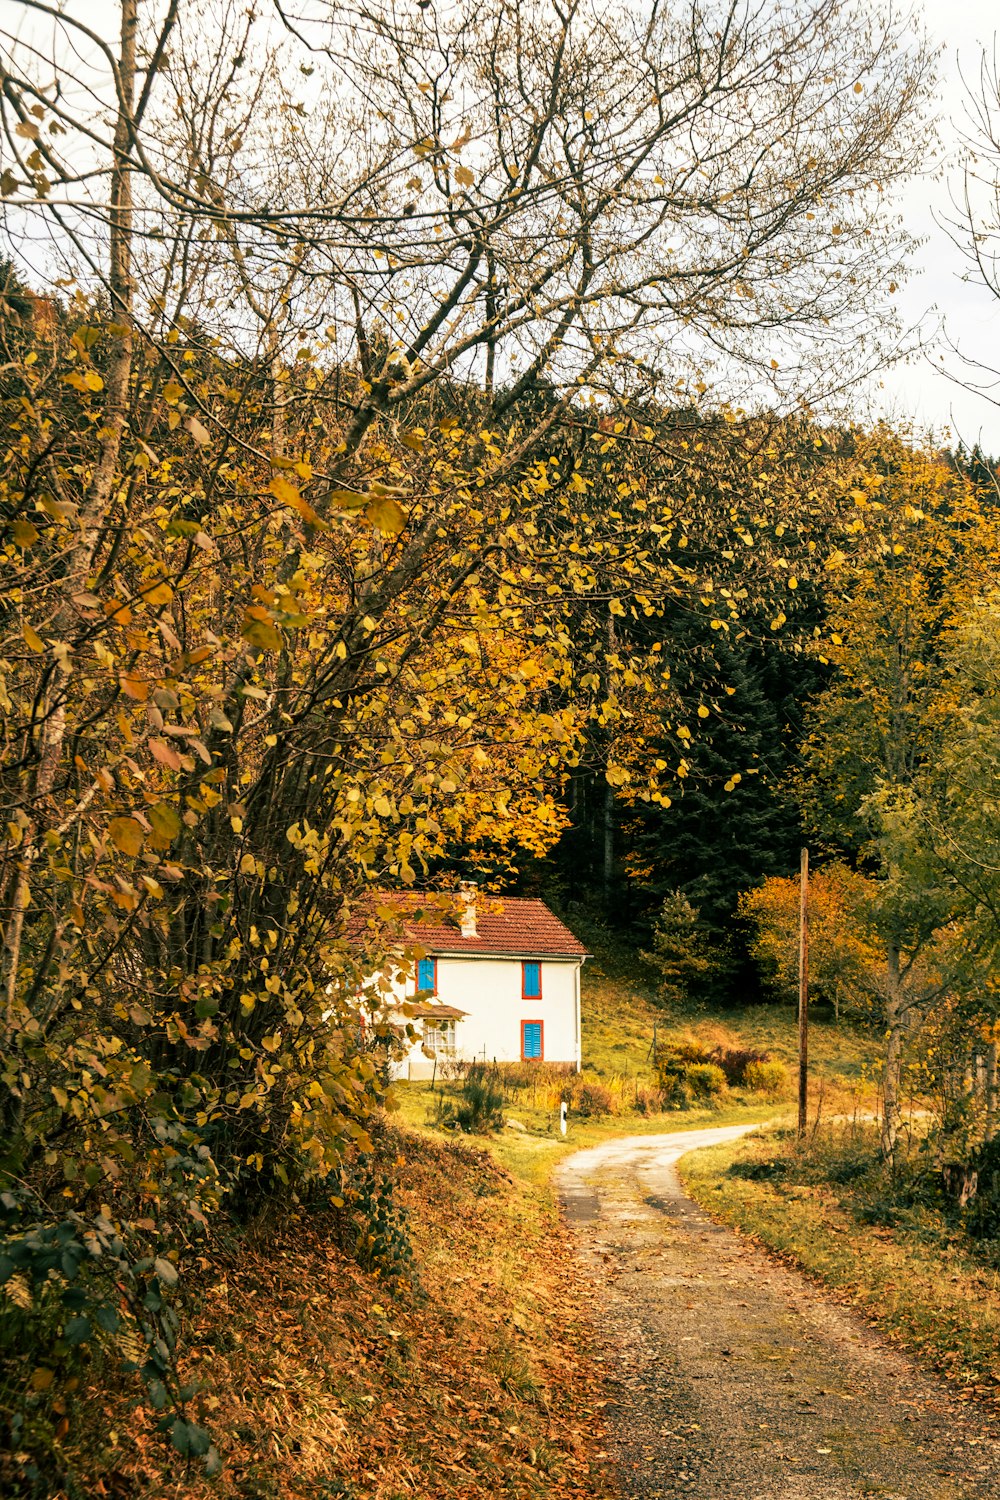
column 555, row 958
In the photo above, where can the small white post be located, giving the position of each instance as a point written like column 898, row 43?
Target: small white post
column 562, row 1116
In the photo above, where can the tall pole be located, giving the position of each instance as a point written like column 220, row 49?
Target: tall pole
column 803, row 989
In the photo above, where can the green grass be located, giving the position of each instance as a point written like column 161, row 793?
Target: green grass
column 914, row 1273
column 531, row 1153
column 619, row 1014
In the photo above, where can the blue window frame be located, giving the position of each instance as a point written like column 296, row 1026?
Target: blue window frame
column 531, row 981
column 427, row 976
column 531, row 1039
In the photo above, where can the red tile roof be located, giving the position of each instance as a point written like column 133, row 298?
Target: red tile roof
column 515, row 925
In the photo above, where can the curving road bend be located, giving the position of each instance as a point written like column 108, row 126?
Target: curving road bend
column 734, row 1378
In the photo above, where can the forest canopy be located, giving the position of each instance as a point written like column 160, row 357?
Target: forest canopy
column 427, row 452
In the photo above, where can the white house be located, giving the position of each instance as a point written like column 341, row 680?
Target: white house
column 500, row 982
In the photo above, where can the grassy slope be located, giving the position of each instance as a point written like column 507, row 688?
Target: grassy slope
column 917, row 1280
column 619, row 1013
column 322, row 1381
column 618, row 1020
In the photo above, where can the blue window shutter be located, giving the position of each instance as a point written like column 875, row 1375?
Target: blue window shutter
column 531, row 981
column 531, row 1038
column 426, row 975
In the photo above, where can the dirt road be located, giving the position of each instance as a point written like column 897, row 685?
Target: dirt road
column 735, row 1379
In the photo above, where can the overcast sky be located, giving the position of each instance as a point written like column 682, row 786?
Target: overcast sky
column 936, row 292
column 935, row 295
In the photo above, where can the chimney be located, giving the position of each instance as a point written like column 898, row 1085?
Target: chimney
column 467, row 912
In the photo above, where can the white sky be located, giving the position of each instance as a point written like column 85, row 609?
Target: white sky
column 936, row 293
column 935, row 296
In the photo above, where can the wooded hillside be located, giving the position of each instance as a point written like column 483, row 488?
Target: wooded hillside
column 428, row 453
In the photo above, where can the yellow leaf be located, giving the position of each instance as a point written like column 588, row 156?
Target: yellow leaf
column 32, row 637
column 702, row 711
column 157, row 593
column 387, row 514
column 165, row 819
column 248, row 865
column 464, row 177
column 260, row 633
column 287, row 494
column 126, row 834
column 198, row 430
column 283, row 490
column 24, row 533
column 347, row 499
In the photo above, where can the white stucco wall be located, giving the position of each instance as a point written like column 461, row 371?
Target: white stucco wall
column 488, row 989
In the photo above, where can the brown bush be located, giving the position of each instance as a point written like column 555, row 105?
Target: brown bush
column 593, row 1100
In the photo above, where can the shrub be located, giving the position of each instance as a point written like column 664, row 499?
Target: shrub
column 734, row 1062
column 754, row 1170
column 982, row 1216
column 479, row 1111
column 765, row 1077
column 673, row 1059
column 373, row 1226
column 593, row 1100
column 649, row 1101
column 704, row 1079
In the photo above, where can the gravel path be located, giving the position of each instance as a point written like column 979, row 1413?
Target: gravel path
column 733, row 1378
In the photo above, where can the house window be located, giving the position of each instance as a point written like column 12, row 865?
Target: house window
column 531, row 981
column 439, row 1038
column 532, row 1037
column 427, row 976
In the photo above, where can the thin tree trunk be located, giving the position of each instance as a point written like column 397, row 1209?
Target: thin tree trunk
column 95, row 508
column 608, row 799
column 893, row 1055
column 991, row 1092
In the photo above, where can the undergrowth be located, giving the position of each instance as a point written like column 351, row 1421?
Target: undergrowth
column 888, row 1238
column 420, row 1334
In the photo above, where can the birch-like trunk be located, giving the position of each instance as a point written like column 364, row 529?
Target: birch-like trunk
column 94, row 510
column 893, row 1054
column 991, row 1092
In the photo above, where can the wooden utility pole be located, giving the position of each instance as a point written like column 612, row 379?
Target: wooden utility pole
column 803, row 989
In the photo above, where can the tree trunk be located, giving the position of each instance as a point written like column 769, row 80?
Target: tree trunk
column 94, row 510
column 893, row 1055
column 991, row 1092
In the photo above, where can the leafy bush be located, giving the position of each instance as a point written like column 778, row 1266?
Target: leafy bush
column 479, row 1111
column 648, row 1101
column 755, row 1170
column 375, row 1226
column 704, row 1079
column 671, row 1061
column 767, row 1076
column 982, row 1216
column 593, row 1100
column 734, row 1062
